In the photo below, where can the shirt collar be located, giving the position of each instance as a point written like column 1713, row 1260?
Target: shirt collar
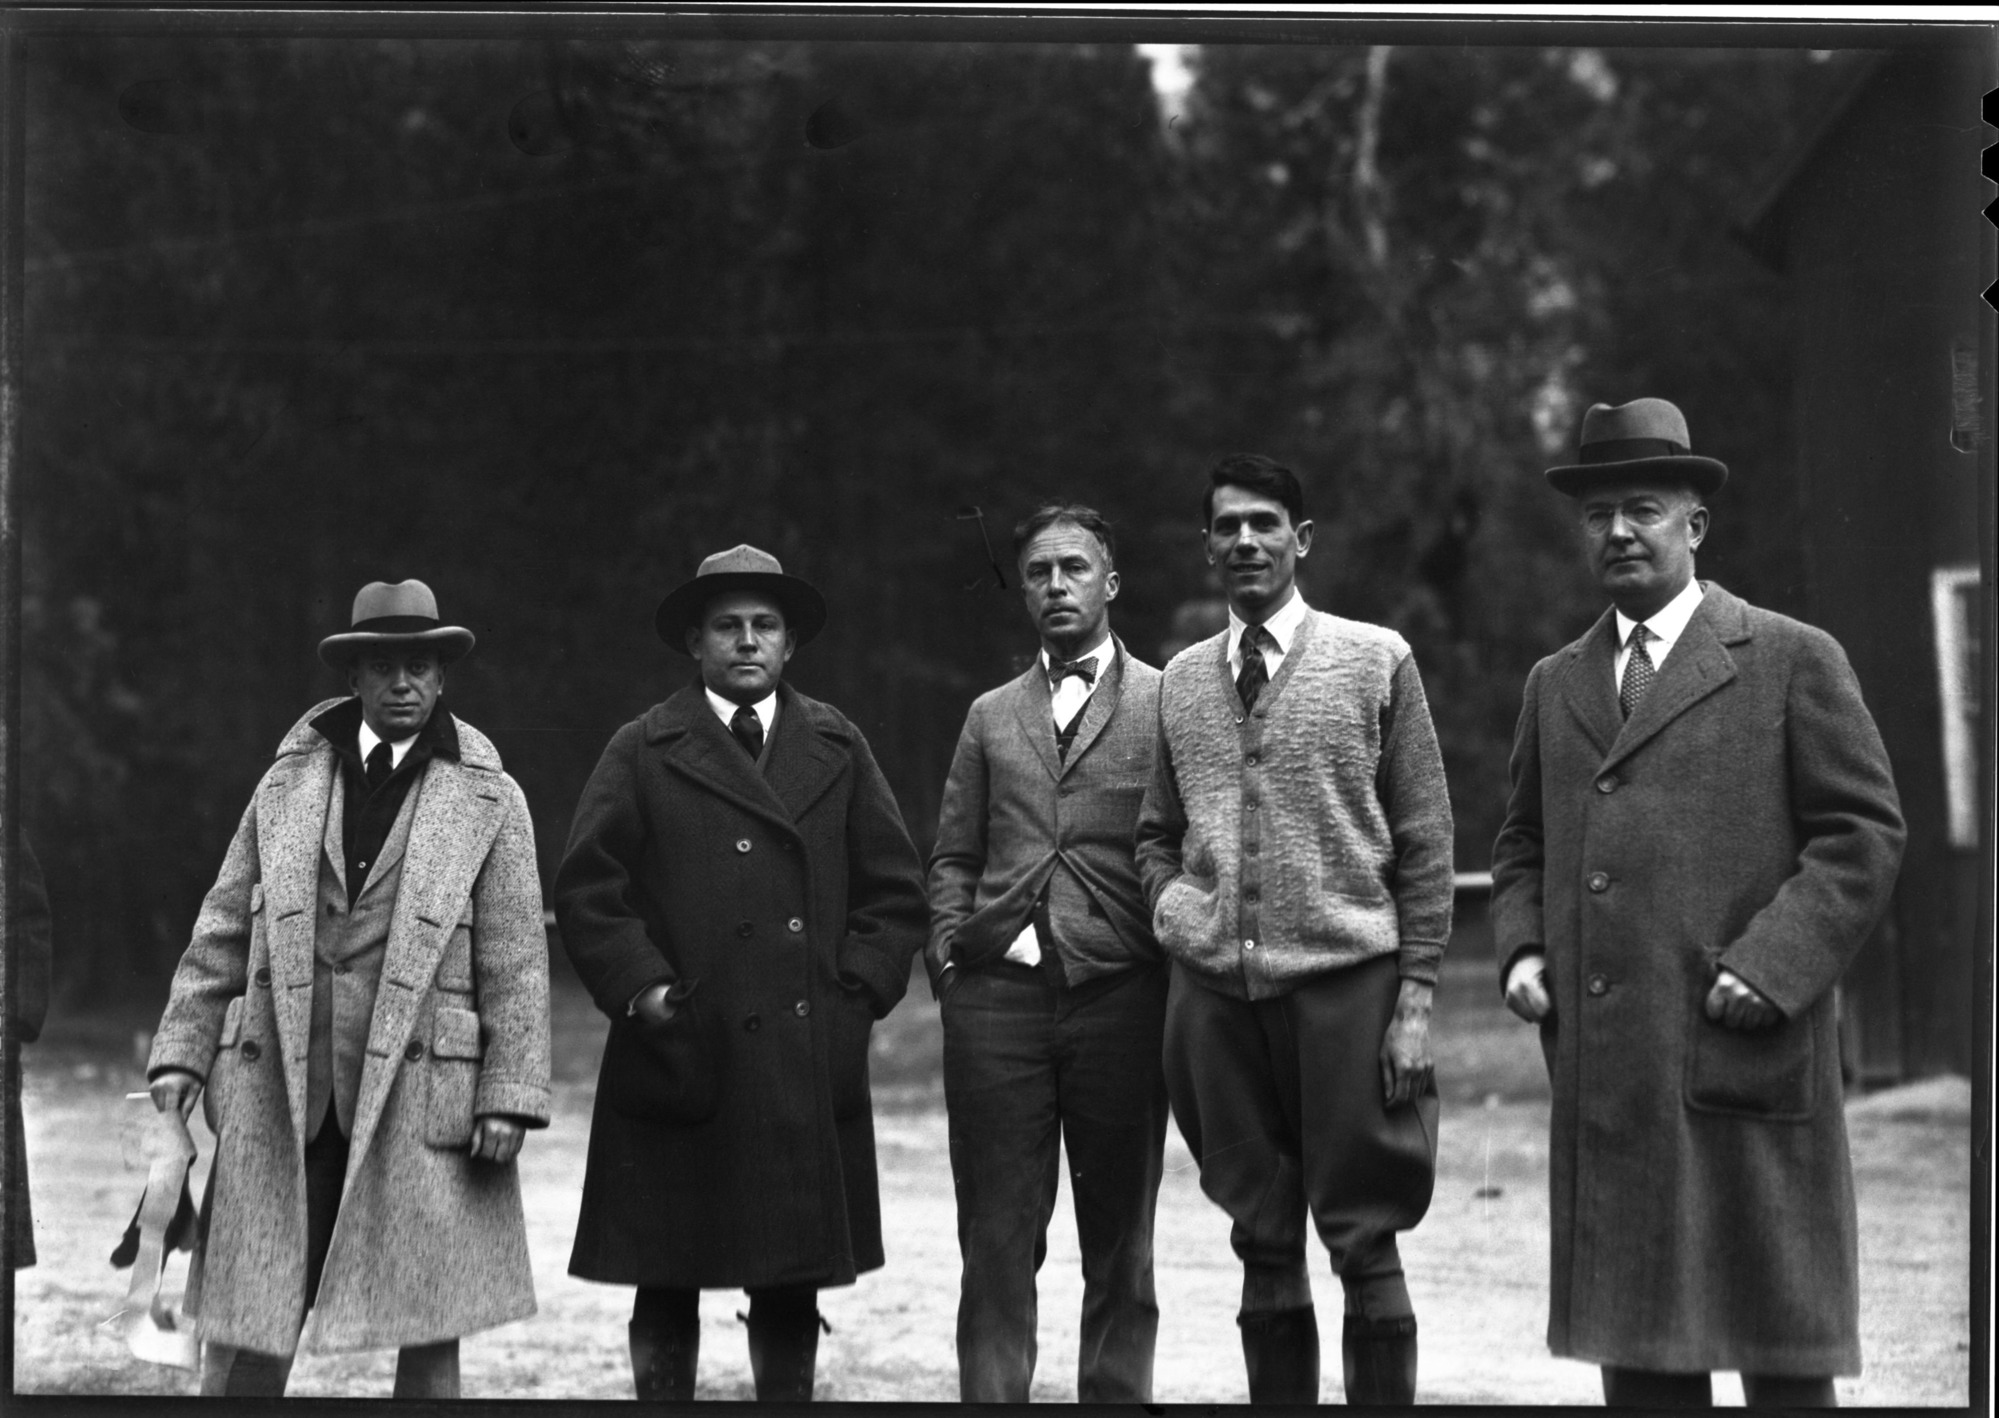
column 1282, row 625
column 366, row 738
column 1669, row 622
column 342, row 726
column 725, row 709
column 1096, row 655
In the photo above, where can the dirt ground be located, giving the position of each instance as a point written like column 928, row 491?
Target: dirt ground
column 1477, row 1265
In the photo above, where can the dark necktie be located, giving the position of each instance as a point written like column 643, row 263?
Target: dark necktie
column 1255, row 674
column 1638, row 672
column 1084, row 669
column 380, row 765
column 749, row 731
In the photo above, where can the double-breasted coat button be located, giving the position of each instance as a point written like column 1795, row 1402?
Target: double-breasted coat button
column 794, row 925
column 745, row 929
column 414, row 1051
column 1607, row 783
column 1598, row 881
column 263, row 975
column 742, row 844
column 801, row 1009
column 251, row 1049
column 753, row 1023
column 1598, row 985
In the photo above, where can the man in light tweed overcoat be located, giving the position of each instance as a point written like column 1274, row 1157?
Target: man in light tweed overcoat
column 1702, row 831
column 1052, row 988
column 366, row 1001
column 1296, row 848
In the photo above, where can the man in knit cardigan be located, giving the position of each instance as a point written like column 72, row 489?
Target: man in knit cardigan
column 1295, row 846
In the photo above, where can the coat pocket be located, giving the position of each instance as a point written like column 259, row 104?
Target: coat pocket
column 1769, row 1073
column 454, row 965
column 848, row 1032
column 453, row 1080
column 220, row 1073
column 666, row 1073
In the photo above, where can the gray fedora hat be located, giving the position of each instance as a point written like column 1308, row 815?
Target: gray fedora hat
column 740, row 568
column 402, row 614
column 1641, row 438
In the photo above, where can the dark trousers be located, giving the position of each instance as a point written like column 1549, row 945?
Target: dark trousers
column 1646, row 1388
column 1280, row 1102
column 1030, row 1067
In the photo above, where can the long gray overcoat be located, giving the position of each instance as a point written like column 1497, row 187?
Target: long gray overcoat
column 789, row 900
column 429, row 1244
column 1701, row 1195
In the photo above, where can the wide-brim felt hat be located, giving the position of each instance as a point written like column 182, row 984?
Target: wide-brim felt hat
column 740, row 568
column 402, row 614
column 1644, row 438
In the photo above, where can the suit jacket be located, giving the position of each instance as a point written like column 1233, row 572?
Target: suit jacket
column 1744, row 816
column 430, row 1244
column 785, row 902
column 1018, row 817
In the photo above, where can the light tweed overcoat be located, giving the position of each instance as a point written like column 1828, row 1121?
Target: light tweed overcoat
column 430, row 1244
column 1701, row 1202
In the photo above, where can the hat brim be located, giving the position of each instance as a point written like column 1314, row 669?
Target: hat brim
column 1704, row 475
column 452, row 642
column 804, row 608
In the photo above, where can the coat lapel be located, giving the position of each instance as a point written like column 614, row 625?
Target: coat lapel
column 296, row 815
column 802, row 765
column 1034, row 711
column 693, row 743
column 1587, row 686
column 458, row 813
column 1098, row 708
column 1698, row 666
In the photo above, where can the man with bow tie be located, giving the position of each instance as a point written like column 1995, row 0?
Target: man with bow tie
column 1052, row 988
column 364, row 1010
column 1703, row 829
column 1296, row 849
column 741, row 899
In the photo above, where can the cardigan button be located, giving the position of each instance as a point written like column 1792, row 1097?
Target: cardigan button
column 1607, row 783
column 250, row 1050
column 1250, row 759
column 1598, row 985
column 414, row 1051
column 1598, row 882
column 1249, row 945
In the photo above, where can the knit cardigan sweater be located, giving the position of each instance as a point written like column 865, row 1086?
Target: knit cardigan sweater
column 1308, row 835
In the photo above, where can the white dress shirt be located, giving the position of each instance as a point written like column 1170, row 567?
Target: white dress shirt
column 1665, row 627
column 397, row 747
column 1282, row 626
column 725, row 710
column 1067, row 700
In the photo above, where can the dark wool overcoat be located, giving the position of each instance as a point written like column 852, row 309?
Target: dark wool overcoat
column 1701, row 1196
column 786, row 904
column 430, row 1244
column 29, row 937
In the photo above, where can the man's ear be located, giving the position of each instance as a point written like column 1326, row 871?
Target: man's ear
column 1111, row 584
column 354, row 676
column 1304, row 534
column 693, row 641
column 1696, row 526
column 790, row 643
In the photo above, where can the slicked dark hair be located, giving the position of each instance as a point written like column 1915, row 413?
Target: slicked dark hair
column 1049, row 513
column 1258, row 474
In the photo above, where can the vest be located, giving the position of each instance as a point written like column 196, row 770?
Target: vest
column 348, row 945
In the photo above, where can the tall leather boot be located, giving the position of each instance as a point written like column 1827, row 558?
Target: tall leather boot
column 664, row 1356
column 784, row 1349
column 1281, row 1352
column 1380, row 1360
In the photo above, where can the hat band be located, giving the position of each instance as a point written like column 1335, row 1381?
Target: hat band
column 1623, row 450
column 394, row 625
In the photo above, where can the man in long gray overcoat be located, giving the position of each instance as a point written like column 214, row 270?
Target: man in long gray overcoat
column 1702, row 831
column 742, row 900
column 366, row 1000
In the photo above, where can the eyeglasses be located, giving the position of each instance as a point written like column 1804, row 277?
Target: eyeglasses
column 1644, row 513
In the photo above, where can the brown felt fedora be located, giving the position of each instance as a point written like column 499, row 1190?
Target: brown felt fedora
column 740, row 568
column 402, row 614
column 1646, row 437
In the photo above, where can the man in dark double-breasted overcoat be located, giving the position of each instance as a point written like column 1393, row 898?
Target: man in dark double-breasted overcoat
column 742, row 900
column 365, row 999
column 1702, row 831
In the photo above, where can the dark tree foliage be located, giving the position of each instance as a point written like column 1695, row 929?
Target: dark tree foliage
column 545, row 323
